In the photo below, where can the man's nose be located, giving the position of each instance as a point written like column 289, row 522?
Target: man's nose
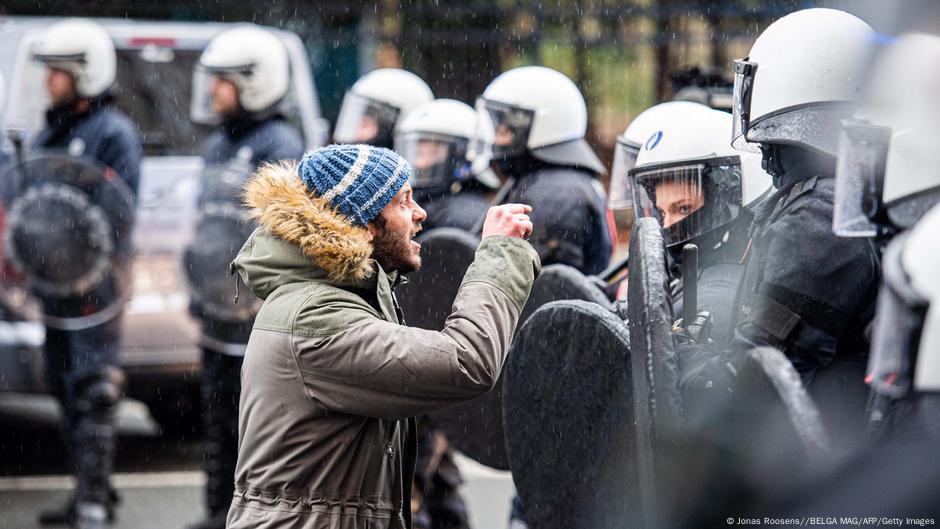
column 418, row 215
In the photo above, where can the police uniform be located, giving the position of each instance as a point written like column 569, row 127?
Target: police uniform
column 568, row 216
column 80, row 364
column 460, row 206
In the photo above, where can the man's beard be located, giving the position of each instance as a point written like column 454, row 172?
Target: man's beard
column 393, row 249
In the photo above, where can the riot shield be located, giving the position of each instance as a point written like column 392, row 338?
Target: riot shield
column 66, row 225
column 222, row 227
column 569, row 419
column 558, row 282
column 659, row 417
column 428, row 297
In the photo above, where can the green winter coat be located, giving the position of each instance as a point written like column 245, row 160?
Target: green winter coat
column 331, row 379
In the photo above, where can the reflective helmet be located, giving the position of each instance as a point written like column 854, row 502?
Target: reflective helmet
column 377, row 103
column 691, row 180
column 630, row 142
column 906, row 332
column 439, row 139
column 83, row 49
column 800, row 80
column 537, row 110
column 888, row 174
column 254, row 59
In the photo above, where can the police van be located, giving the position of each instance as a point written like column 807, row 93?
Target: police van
column 156, row 88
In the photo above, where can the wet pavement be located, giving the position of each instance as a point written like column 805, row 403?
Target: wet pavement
column 158, row 476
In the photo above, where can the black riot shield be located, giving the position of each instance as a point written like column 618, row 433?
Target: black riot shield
column 66, row 224
column 558, row 282
column 659, row 416
column 569, row 419
column 222, row 227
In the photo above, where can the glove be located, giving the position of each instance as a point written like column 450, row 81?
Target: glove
column 698, row 332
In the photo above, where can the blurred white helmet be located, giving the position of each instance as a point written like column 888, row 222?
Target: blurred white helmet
column 440, row 140
column 377, row 103
column 801, row 78
column 888, row 173
column 83, row 49
column 251, row 57
column 906, row 332
column 632, row 139
column 689, row 178
column 538, row 110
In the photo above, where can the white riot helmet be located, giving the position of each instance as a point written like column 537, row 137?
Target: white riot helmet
column 254, row 59
column 888, row 174
column 632, row 139
column 907, row 324
column 439, row 139
column 540, row 111
column 691, row 180
column 377, row 103
column 83, row 49
column 800, row 80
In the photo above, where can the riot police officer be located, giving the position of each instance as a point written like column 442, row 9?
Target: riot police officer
column 886, row 181
column 246, row 73
column 701, row 191
column 806, row 291
column 376, row 104
column 540, row 119
column 80, row 362
column 451, row 176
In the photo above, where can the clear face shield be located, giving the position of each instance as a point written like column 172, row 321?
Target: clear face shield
column 620, row 198
column 202, row 107
column 365, row 120
column 859, row 208
column 510, row 125
column 437, row 160
column 741, row 105
column 689, row 198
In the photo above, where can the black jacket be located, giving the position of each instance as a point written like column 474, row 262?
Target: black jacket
column 446, row 209
column 568, row 216
column 108, row 136
column 806, row 291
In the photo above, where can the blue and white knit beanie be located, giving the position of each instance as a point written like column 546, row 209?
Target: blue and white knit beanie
column 358, row 180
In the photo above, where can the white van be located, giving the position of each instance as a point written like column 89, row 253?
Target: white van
column 154, row 87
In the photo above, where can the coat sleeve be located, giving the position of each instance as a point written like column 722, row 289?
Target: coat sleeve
column 375, row 368
column 815, row 289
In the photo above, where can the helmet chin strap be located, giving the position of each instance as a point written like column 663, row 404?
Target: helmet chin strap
column 771, row 162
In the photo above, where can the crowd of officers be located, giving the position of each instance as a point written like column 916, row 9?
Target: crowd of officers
column 763, row 204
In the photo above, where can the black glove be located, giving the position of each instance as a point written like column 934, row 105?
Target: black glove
column 697, row 332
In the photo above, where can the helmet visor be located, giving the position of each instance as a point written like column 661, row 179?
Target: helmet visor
column 365, row 120
column 200, row 103
column 860, row 179
column 741, row 105
column 511, row 127
column 689, row 198
column 436, row 160
column 621, row 187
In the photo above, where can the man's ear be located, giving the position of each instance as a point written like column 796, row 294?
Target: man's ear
column 372, row 229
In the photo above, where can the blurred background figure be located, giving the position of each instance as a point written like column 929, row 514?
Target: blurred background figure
column 886, row 181
column 376, row 104
column 248, row 79
column 540, row 119
column 80, row 69
column 451, row 176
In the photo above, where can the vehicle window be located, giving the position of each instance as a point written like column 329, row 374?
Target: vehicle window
column 153, row 88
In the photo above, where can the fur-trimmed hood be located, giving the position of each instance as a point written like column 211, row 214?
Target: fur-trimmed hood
column 319, row 240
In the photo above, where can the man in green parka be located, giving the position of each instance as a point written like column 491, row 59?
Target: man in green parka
column 332, row 379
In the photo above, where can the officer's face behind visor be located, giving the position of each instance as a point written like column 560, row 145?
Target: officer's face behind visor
column 437, row 160
column 365, row 120
column 688, row 198
column 511, row 125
